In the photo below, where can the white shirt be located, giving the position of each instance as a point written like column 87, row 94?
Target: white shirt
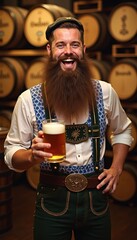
column 24, row 127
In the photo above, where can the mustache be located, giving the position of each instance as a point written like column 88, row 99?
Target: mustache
column 63, row 58
column 67, row 57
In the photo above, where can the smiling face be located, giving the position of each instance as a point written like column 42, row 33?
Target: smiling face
column 66, row 48
column 69, row 88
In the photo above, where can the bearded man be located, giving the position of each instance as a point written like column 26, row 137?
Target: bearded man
column 71, row 195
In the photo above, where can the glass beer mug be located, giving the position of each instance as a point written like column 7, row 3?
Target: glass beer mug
column 54, row 133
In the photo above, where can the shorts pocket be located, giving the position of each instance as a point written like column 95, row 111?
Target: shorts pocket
column 53, row 200
column 98, row 202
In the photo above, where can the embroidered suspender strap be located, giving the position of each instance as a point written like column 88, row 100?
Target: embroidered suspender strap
column 93, row 131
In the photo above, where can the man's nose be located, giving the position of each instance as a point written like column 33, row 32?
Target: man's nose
column 68, row 49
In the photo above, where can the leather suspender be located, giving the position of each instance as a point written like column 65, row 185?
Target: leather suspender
column 95, row 138
column 93, row 130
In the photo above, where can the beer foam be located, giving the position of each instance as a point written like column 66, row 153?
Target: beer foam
column 53, row 128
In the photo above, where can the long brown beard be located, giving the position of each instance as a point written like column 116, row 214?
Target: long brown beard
column 69, row 92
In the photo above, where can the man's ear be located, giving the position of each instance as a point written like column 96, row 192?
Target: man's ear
column 84, row 48
column 48, row 48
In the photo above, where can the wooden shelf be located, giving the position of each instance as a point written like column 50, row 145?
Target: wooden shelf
column 23, row 52
column 119, row 50
column 80, row 7
column 6, row 103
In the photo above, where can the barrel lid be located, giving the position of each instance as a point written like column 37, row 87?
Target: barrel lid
column 7, row 78
column 35, row 73
column 35, row 25
column 123, row 78
column 128, row 180
column 122, row 22
column 7, row 27
column 91, row 29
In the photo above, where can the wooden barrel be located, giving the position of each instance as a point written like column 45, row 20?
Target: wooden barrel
column 12, row 27
column 35, row 72
column 123, row 78
column 63, row 12
column 3, row 134
column 38, row 19
column 133, row 148
column 96, row 34
column 5, row 118
column 122, row 22
column 5, row 188
column 127, row 187
column 100, row 69
column 32, row 175
column 12, row 74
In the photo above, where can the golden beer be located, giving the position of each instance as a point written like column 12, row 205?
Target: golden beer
column 54, row 133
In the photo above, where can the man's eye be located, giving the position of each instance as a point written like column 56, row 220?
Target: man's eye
column 60, row 45
column 75, row 45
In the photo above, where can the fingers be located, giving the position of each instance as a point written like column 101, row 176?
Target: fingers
column 40, row 134
column 38, row 143
column 109, row 180
column 40, row 149
column 40, row 155
column 113, row 188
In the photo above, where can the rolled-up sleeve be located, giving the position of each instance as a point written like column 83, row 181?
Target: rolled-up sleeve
column 124, row 137
column 21, row 130
column 118, row 121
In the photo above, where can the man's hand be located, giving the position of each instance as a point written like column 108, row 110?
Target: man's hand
column 109, row 179
column 38, row 148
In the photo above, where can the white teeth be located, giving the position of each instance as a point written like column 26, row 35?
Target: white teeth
column 68, row 60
